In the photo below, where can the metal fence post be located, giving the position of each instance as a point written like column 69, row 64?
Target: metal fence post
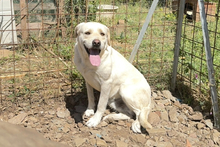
column 212, row 85
column 143, row 30
column 177, row 43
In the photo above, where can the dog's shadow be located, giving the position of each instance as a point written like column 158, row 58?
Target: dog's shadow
column 77, row 103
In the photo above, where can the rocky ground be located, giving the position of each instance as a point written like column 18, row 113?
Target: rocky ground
column 174, row 124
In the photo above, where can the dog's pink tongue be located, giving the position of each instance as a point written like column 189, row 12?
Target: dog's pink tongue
column 94, row 57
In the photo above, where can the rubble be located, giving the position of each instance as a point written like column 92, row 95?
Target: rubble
column 174, row 124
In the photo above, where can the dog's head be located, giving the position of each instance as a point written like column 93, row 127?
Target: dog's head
column 93, row 38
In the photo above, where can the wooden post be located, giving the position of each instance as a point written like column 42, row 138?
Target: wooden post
column 23, row 8
column 62, row 17
column 87, row 10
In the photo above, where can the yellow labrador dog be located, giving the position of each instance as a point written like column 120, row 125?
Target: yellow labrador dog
column 121, row 85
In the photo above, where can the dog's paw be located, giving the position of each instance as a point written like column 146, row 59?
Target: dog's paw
column 94, row 121
column 89, row 112
column 136, row 127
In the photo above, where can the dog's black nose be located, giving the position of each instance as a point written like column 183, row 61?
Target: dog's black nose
column 96, row 43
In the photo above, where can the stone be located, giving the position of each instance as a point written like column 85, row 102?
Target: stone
column 173, row 115
column 165, row 102
column 119, row 127
column 78, row 141
column 182, row 118
column 153, row 118
column 62, row 113
column 208, row 123
column 211, row 143
column 164, row 116
column 141, row 139
column 107, row 139
column 58, row 135
column 156, row 131
column 159, row 93
column 104, row 132
column 197, row 116
column 101, row 142
column 33, row 119
column 150, row 143
column 79, row 125
column 206, row 133
column 11, row 115
column 187, row 109
column 133, row 138
column 153, row 104
column 176, row 142
column 121, row 123
column 200, row 125
column 92, row 141
column 160, row 106
column 103, row 124
column 18, row 119
column 51, row 112
column 177, row 103
column 164, row 144
column 57, row 122
column 17, row 136
column 216, row 137
column 167, row 94
column 193, row 135
column 154, row 95
column 66, row 128
column 171, row 133
column 120, row 143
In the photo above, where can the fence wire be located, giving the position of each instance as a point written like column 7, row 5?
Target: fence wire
column 37, row 55
column 193, row 73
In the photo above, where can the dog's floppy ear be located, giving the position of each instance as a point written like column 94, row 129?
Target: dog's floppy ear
column 108, row 35
column 77, row 28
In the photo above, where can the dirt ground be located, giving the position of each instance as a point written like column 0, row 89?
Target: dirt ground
column 60, row 120
column 5, row 53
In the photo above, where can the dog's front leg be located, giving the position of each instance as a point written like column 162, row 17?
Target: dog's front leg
column 103, row 100
column 91, row 101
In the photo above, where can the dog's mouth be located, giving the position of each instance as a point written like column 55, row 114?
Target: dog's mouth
column 94, row 56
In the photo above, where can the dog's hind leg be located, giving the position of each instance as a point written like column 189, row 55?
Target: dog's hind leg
column 124, row 112
column 138, row 100
column 118, row 116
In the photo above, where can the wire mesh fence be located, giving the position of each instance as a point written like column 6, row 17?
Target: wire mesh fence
column 36, row 58
column 37, row 41
column 193, row 72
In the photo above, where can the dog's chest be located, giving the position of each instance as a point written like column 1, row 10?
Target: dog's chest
column 95, row 76
column 92, row 78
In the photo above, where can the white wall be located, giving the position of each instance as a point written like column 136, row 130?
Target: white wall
column 7, row 26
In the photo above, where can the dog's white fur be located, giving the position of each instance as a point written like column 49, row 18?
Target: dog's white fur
column 121, row 85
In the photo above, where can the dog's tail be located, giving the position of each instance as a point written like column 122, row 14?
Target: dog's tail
column 143, row 118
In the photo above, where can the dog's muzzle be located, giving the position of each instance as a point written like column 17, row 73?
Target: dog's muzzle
column 94, row 52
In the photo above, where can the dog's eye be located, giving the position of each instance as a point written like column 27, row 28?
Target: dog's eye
column 103, row 34
column 87, row 33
